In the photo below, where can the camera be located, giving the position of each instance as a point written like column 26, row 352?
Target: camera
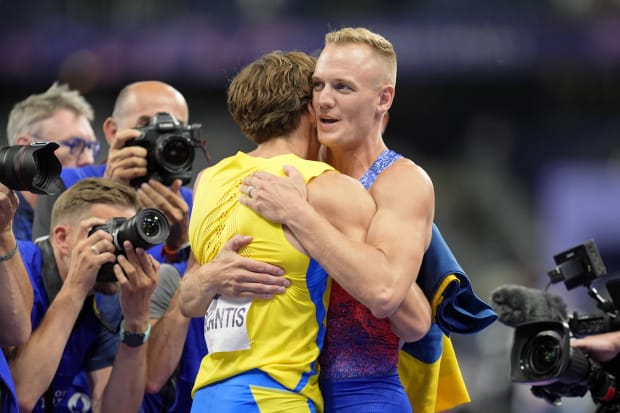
column 170, row 146
column 34, row 168
column 146, row 229
column 541, row 354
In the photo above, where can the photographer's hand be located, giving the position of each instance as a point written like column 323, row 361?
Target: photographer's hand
column 601, row 347
column 137, row 274
column 125, row 162
column 154, row 194
column 8, row 207
column 89, row 254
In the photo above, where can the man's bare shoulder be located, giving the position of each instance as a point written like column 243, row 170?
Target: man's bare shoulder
column 341, row 199
column 404, row 176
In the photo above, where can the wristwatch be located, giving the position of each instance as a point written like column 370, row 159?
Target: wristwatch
column 180, row 255
column 134, row 339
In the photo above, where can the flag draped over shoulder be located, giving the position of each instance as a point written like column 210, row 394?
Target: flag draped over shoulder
column 428, row 368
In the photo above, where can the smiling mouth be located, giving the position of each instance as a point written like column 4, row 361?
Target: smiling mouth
column 328, row 121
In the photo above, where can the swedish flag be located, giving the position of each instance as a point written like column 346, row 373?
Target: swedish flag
column 428, row 368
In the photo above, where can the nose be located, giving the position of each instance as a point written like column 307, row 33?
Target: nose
column 86, row 157
column 324, row 99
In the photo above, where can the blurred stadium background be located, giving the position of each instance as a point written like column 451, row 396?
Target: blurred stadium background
column 511, row 106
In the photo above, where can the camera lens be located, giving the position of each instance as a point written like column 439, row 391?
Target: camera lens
column 147, row 228
column 32, row 168
column 177, row 151
column 545, row 352
column 151, row 226
column 174, row 153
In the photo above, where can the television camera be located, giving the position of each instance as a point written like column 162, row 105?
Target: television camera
column 541, row 353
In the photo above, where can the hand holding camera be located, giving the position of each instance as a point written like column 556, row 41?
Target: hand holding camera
column 8, row 206
column 144, row 230
column 94, row 250
column 126, row 163
column 170, row 201
column 163, row 150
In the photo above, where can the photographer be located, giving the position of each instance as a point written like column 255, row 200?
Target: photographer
column 135, row 105
column 60, row 115
column 69, row 335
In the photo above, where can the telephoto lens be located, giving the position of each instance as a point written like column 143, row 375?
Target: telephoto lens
column 32, row 168
column 147, row 228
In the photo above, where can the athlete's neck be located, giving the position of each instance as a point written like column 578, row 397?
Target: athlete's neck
column 354, row 161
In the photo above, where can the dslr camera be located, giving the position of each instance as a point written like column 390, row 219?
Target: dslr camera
column 542, row 355
column 170, row 146
column 146, row 229
column 34, row 168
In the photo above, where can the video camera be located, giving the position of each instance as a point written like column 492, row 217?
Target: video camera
column 541, row 353
column 34, row 168
column 170, row 147
column 146, row 229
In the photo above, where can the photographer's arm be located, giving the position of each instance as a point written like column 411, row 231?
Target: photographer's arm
column 137, row 274
column 602, row 347
column 46, row 345
column 169, row 330
column 16, row 303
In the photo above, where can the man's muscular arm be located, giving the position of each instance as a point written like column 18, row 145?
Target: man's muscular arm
column 379, row 272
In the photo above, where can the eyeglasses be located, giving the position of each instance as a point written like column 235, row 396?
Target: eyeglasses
column 78, row 145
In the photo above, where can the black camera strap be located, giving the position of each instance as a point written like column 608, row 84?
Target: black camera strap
column 52, row 283
column 49, row 270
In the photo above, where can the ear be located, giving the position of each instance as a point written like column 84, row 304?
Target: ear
column 386, row 97
column 109, row 130
column 60, row 239
column 24, row 140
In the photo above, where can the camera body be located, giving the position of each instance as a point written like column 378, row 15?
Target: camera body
column 541, row 354
column 170, row 147
column 34, row 168
column 146, row 229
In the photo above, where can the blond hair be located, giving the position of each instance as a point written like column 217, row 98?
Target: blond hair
column 25, row 116
column 379, row 45
column 76, row 202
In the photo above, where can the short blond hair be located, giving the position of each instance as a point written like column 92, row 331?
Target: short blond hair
column 75, row 203
column 26, row 115
column 379, row 44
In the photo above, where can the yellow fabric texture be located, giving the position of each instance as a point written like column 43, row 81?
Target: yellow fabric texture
column 433, row 387
column 283, row 331
column 437, row 386
column 270, row 400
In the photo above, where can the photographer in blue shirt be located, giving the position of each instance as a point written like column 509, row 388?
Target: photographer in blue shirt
column 69, row 336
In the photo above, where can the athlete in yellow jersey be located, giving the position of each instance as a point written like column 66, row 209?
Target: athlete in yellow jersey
column 262, row 353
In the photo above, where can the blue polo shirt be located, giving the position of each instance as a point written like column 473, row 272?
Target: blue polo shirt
column 8, row 402
column 91, row 346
